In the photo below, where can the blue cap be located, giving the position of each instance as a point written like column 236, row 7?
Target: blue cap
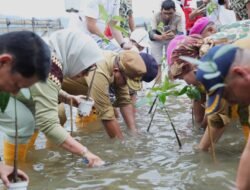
column 151, row 65
column 223, row 63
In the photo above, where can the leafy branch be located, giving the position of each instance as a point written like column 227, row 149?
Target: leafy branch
column 107, row 18
column 169, row 88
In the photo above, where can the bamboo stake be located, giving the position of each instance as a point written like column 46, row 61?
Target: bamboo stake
column 15, row 176
column 211, row 141
column 71, row 117
column 151, row 107
column 193, row 116
column 176, row 135
column 152, row 117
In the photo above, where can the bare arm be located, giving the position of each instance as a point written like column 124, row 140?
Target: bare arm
column 205, row 142
column 45, row 96
column 73, row 146
column 243, row 173
column 217, row 123
column 129, row 117
column 112, row 127
column 131, row 22
column 92, row 27
column 118, row 36
column 248, row 9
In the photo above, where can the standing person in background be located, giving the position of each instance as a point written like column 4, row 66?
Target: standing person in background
column 192, row 12
column 128, row 24
column 24, row 60
column 95, row 26
column 165, row 25
column 241, row 8
column 218, row 13
column 126, row 12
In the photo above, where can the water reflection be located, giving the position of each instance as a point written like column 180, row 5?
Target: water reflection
column 149, row 161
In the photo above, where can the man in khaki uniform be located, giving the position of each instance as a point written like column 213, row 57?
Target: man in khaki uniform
column 121, row 71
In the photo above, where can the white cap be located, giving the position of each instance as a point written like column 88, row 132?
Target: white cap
column 141, row 37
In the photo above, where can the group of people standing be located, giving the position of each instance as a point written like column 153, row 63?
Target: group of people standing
column 63, row 67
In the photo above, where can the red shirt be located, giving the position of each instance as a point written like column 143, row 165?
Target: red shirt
column 187, row 10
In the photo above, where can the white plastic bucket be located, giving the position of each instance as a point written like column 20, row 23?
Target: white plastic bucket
column 85, row 107
column 21, row 185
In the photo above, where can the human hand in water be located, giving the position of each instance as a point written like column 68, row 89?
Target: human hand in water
column 92, row 160
column 6, row 172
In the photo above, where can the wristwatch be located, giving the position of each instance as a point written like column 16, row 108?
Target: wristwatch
column 122, row 44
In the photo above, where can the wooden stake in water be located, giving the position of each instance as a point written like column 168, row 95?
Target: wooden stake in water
column 172, row 124
column 15, row 176
column 151, row 107
column 156, row 97
column 193, row 116
column 71, row 116
column 152, row 117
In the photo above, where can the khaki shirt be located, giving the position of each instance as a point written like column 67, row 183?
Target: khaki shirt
column 100, row 89
column 44, row 104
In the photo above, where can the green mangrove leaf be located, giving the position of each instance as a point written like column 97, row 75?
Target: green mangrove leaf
column 157, row 88
column 118, row 18
column 162, row 98
column 211, row 7
column 168, row 86
column 219, row 85
column 191, row 60
column 4, row 100
column 183, row 90
column 174, row 93
column 222, row 51
column 212, row 75
column 103, row 13
column 160, row 27
column 193, row 93
column 125, row 32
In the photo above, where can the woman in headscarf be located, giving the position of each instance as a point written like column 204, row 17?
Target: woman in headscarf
column 179, row 69
column 73, row 55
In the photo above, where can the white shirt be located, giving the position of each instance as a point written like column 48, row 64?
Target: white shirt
column 221, row 15
column 91, row 9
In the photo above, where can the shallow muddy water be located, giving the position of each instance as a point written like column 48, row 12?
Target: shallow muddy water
column 148, row 161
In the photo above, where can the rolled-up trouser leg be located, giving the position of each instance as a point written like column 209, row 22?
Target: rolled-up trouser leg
column 26, row 127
